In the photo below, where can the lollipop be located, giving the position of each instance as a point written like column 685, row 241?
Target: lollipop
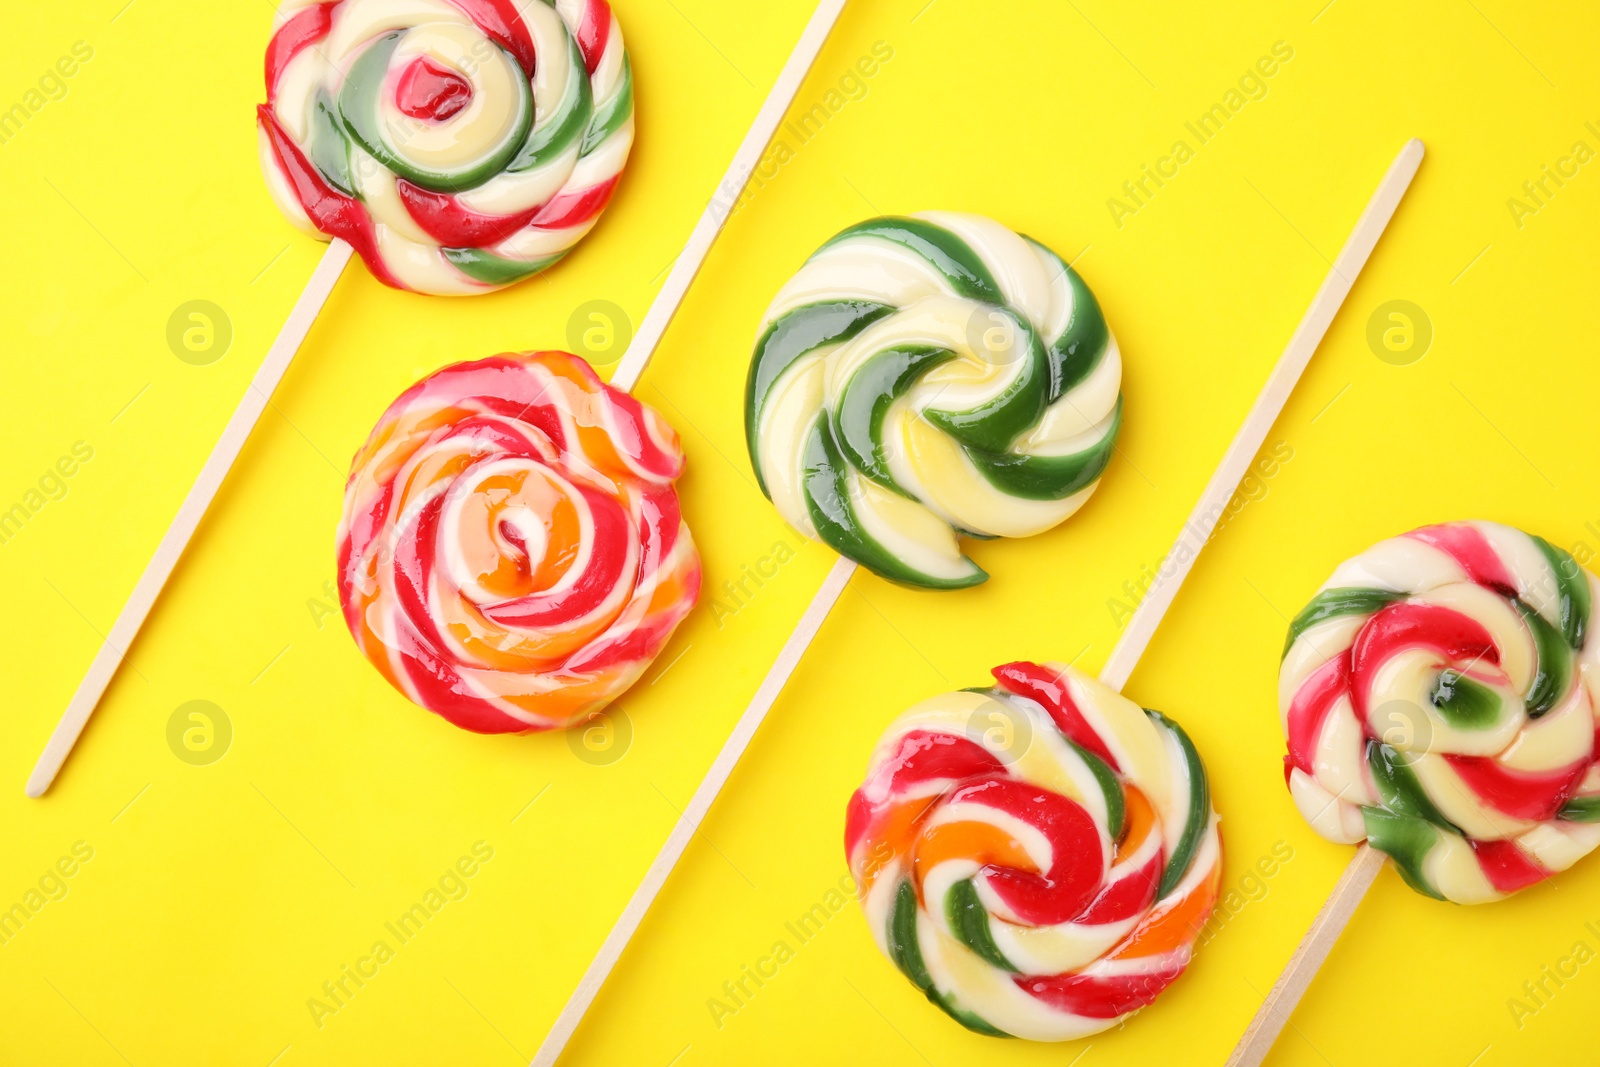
column 458, row 145
column 1438, row 694
column 938, row 260
column 512, row 554
column 926, row 378
column 1038, row 857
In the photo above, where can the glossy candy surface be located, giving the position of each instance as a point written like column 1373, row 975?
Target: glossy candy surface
column 926, row 378
column 1438, row 695
column 512, row 554
column 1038, row 857
column 458, row 145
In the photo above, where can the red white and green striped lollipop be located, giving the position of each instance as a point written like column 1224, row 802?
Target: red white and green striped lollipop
column 458, row 145
column 1439, row 697
column 1439, row 694
column 1037, row 857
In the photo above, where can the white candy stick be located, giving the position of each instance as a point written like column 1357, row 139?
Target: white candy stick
column 1247, row 442
column 1358, row 877
column 626, row 377
column 1302, row 966
column 193, row 509
column 1219, row 490
column 727, row 194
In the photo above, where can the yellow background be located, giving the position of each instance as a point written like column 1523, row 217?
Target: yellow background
column 220, row 898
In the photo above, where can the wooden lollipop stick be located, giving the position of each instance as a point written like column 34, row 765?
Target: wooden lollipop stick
column 193, row 509
column 294, row 332
column 1247, row 442
column 626, row 377
column 1223, row 484
column 689, row 822
column 1307, row 959
column 727, row 194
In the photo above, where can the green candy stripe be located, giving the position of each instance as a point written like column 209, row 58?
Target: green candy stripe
column 1199, row 813
column 903, row 947
column 1552, row 675
column 1398, row 788
column 491, row 269
column 994, row 424
column 1464, row 703
column 906, row 953
column 1580, row 809
column 1407, row 840
column 828, row 502
column 788, row 339
column 969, row 920
column 1106, row 778
column 569, row 121
column 1047, row 477
column 358, row 110
column 867, row 397
column 1078, row 351
column 963, row 269
column 1331, row 603
column 1572, row 592
column 329, row 151
column 611, row 115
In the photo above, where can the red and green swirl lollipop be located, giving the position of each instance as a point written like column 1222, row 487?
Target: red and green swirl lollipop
column 458, row 145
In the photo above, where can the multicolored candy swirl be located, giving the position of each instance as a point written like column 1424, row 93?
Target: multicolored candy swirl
column 1037, row 857
column 927, row 378
column 1438, row 694
column 512, row 554
column 458, row 145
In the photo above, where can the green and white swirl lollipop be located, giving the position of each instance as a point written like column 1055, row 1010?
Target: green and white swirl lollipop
column 928, row 378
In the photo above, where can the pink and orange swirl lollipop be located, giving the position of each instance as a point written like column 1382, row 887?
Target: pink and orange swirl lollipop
column 512, row 554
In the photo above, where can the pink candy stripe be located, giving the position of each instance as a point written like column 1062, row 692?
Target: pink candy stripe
column 1062, row 892
column 1521, row 795
column 594, row 30
column 1468, row 547
column 1506, row 866
column 1312, row 702
column 1449, row 634
column 1095, row 997
column 500, row 21
column 293, row 37
column 1050, row 692
column 1130, row 892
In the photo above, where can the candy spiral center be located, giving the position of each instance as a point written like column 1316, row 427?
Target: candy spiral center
column 430, row 91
